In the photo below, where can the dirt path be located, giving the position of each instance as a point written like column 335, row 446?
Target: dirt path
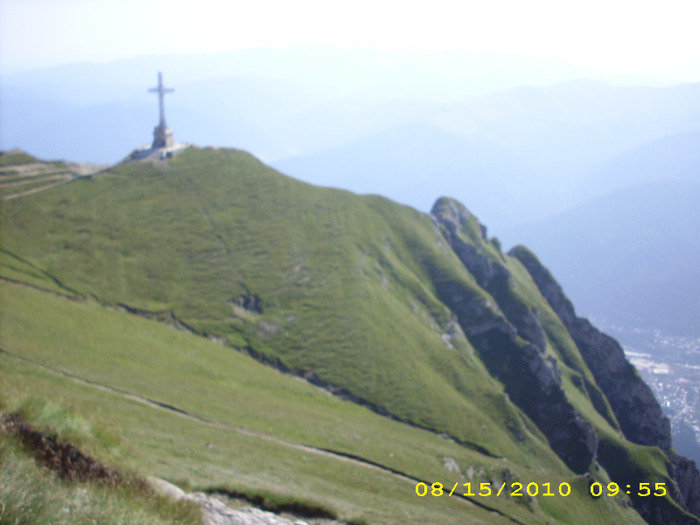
column 34, row 190
column 34, row 172
column 195, row 417
column 47, row 179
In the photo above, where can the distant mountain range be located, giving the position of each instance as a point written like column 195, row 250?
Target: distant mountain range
column 300, row 107
column 629, row 256
column 625, row 255
column 673, row 157
column 518, row 155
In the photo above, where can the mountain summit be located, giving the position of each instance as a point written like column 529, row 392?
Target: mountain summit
column 420, row 318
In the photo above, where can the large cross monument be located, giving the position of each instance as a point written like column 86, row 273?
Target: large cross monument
column 162, row 136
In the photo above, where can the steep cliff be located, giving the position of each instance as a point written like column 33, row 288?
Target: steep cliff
column 687, row 477
column 633, row 402
column 638, row 412
column 511, row 342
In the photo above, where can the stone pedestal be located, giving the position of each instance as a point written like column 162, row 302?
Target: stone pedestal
column 162, row 137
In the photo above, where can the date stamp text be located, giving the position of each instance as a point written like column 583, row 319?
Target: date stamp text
column 533, row 489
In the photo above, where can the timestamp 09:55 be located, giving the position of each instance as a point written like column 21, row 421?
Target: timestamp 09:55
column 533, row 489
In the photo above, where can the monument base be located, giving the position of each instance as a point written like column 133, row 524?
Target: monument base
column 162, row 138
column 157, row 153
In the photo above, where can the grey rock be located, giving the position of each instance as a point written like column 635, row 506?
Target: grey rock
column 216, row 512
column 250, row 302
column 510, row 339
column 635, row 407
column 632, row 401
column 458, row 226
column 688, row 479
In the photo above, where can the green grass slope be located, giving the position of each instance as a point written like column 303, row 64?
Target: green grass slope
column 340, row 289
column 344, row 281
column 237, row 424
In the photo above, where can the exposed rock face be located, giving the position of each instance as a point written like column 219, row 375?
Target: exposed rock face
column 491, row 276
column 511, row 343
column 250, row 302
column 512, row 347
column 631, row 399
column 688, row 478
column 533, row 382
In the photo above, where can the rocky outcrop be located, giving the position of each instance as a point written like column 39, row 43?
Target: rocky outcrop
column 636, row 409
column 639, row 414
column 459, row 227
column 511, row 343
column 685, row 471
column 250, row 302
column 533, row 382
column 510, row 339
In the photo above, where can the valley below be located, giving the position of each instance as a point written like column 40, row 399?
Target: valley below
column 670, row 365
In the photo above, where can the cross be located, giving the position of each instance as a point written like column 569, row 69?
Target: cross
column 161, row 93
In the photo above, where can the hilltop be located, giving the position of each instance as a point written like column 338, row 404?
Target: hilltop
column 412, row 332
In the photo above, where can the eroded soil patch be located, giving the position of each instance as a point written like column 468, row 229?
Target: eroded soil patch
column 61, row 456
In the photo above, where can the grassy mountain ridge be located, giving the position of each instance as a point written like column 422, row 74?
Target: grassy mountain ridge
column 363, row 296
column 304, row 270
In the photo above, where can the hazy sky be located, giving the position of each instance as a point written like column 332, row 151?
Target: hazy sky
column 613, row 35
